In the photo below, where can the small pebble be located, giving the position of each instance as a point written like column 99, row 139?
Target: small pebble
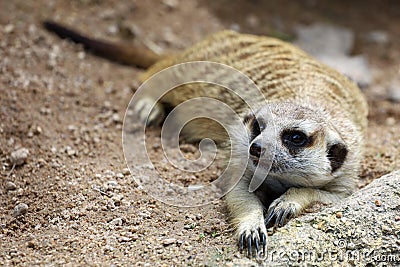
column 30, row 244
column 10, row 141
column 108, row 248
column 187, row 148
column 235, row 27
column 378, row 37
column 20, row 209
column 113, row 29
column 393, row 92
column 386, row 229
column 72, row 128
column 117, row 222
column 18, row 157
column 119, row 175
column 124, row 239
column 70, row 151
column 10, row 186
column 169, row 241
column 378, row 203
column 351, row 246
column 339, row 214
column 253, row 21
column 390, row 121
column 116, row 118
column 170, row 3
column 81, row 55
column 9, row 28
column 126, row 171
column 112, row 183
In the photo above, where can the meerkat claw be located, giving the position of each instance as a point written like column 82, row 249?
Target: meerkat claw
column 253, row 241
column 249, row 247
column 263, row 240
column 281, row 211
column 241, row 242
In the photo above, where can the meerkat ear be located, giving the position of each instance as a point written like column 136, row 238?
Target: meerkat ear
column 337, row 153
column 336, row 150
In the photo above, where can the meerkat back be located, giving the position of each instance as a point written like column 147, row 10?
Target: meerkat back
column 280, row 70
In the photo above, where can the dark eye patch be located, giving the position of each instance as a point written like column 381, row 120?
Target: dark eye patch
column 295, row 139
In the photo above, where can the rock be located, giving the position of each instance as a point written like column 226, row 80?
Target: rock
column 368, row 232
column 393, row 91
column 20, row 209
column 332, row 45
column 235, row 27
column 18, row 157
column 377, row 37
column 326, row 39
column 356, row 68
column 10, row 186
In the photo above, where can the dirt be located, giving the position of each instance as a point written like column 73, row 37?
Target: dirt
column 66, row 107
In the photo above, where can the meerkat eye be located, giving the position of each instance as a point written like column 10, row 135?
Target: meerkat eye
column 295, row 139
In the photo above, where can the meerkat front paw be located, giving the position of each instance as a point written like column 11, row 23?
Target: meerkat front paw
column 282, row 209
column 252, row 236
column 149, row 112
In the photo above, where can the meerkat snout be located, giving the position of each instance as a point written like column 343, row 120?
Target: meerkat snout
column 256, row 150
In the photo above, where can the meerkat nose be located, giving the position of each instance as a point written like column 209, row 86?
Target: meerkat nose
column 256, row 149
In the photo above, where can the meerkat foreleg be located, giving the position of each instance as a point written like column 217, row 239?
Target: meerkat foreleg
column 247, row 214
column 294, row 201
column 156, row 114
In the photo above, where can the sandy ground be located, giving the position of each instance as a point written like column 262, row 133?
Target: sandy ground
column 66, row 107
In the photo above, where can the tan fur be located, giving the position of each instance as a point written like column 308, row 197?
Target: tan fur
column 302, row 94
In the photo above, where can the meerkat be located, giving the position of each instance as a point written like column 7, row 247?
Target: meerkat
column 320, row 119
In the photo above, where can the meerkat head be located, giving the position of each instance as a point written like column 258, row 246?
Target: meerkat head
column 307, row 150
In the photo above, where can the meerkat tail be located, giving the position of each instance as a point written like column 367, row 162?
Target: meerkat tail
column 129, row 55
